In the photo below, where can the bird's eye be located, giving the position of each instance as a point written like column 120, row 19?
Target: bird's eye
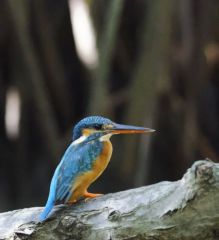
column 98, row 126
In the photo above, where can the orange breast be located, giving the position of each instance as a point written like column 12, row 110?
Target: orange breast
column 102, row 161
column 84, row 181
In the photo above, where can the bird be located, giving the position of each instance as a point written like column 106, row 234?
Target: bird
column 84, row 160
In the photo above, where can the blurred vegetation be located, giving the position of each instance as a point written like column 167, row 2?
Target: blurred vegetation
column 158, row 67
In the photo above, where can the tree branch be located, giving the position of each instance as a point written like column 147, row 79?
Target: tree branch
column 185, row 209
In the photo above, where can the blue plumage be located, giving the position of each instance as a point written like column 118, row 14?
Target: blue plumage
column 76, row 160
column 89, row 122
column 84, row 160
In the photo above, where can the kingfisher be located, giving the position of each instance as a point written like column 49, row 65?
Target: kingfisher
column 84, row 160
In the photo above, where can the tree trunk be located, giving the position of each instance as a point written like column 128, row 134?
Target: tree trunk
column 185, row 209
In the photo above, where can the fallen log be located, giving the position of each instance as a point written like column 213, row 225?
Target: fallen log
column 185, row 209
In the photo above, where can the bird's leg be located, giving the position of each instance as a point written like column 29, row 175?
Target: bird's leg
column 89, row 195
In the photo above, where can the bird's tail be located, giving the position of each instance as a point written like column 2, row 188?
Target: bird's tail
column 47, row 209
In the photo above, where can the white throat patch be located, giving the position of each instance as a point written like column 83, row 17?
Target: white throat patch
column 83, row 138
column 105, row 137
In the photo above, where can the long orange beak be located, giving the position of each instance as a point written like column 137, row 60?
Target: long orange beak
column 126, row 129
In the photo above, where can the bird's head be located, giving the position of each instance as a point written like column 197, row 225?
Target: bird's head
column 100, row 127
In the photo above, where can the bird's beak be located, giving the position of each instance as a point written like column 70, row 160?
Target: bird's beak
column 126, row 129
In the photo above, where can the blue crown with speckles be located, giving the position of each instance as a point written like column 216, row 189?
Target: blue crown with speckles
column 89, row 122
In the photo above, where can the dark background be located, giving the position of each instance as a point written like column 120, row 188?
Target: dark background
column 158, row 66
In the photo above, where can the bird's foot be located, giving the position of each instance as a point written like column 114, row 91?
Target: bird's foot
column 88, row 195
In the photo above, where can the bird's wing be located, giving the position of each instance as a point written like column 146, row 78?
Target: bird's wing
column 76, row 160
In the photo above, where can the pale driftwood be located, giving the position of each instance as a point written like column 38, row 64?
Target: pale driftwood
column 185, row 209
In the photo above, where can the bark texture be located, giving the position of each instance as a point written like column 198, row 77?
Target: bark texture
column 185, row 209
